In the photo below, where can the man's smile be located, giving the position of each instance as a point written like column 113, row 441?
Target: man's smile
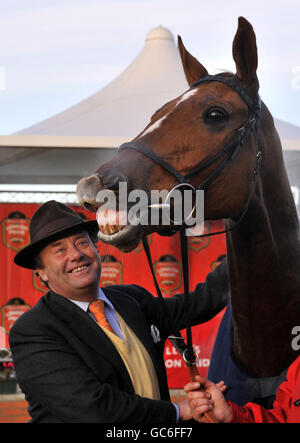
column 79, row 269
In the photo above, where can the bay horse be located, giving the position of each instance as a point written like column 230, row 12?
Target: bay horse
column 191, row 133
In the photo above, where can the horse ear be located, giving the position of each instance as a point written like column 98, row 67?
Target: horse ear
column 192, row 68
column 244, row 51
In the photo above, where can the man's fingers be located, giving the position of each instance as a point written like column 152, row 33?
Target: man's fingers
column 191, row 386
column 203, row 381
column 221, row 385
column 199, row 395
column 199, row 402
column 200, row 382
column 198, row 412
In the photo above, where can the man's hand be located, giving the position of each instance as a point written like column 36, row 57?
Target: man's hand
column 185, row 412
column 211, row 399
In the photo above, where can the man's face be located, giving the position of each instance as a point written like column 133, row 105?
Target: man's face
column 72, row 267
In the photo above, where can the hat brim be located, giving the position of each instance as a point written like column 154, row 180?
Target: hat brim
column 26, row 257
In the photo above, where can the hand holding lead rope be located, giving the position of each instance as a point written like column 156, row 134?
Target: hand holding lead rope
column 193, row 371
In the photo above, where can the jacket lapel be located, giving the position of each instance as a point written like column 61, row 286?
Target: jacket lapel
column 84, row 327
column 129, row 310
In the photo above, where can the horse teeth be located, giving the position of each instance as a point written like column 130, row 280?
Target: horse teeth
column 110, row 229
column 111, row 221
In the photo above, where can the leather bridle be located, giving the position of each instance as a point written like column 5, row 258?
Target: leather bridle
column 229, row 152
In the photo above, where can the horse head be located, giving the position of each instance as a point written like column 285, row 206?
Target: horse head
column 186, row 132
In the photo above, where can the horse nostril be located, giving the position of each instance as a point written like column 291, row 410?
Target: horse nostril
column 89, row 207
column 111, row 181
column 87, row 189
column 86, row 206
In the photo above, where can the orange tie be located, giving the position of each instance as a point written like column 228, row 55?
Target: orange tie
column 97, row 309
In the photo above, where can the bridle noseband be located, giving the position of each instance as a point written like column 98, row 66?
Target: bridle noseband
column 229, row 152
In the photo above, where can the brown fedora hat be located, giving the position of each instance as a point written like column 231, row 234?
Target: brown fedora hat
column 51, row 221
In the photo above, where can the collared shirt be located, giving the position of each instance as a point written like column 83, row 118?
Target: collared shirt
column 109, row 311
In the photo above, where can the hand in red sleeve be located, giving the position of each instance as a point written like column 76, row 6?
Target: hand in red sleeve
column 211, row 399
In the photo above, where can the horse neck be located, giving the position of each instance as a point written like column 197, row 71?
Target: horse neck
column 264, row 263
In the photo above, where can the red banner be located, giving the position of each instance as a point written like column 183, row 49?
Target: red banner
column 20, row 289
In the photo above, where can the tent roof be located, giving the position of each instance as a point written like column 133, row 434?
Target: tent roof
column 124, row 106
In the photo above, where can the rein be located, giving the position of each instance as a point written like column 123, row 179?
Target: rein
column 230, row 152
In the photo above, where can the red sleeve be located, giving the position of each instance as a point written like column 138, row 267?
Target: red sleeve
column 253, row 413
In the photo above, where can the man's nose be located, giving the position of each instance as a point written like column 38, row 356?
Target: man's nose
column 75, row 253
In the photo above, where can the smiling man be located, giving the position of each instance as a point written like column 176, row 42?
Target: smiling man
column 86, row 354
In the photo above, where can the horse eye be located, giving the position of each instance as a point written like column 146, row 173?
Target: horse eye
column 215, row 115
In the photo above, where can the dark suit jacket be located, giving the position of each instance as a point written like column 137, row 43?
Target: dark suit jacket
column 70, row 371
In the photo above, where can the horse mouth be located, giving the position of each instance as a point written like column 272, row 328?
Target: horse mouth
column 114, row 229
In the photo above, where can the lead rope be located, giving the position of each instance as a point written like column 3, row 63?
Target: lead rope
column 191, row 361
column 176, row 339
column 185, row 350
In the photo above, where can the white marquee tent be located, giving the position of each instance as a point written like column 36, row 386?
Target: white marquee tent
column 67, row 146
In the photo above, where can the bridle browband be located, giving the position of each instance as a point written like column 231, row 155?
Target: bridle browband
column 229, row 152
